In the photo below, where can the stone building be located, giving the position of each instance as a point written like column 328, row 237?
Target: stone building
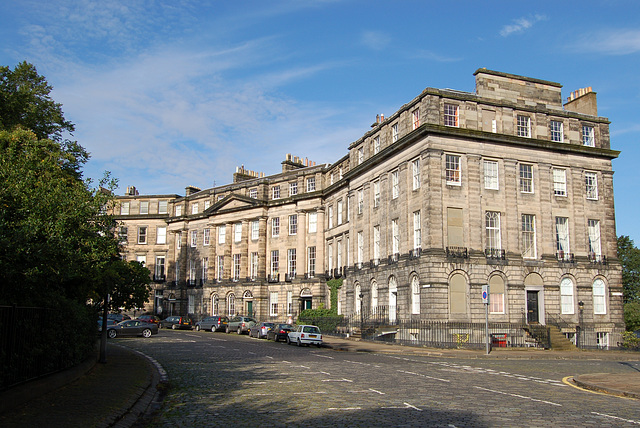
column 506, row 186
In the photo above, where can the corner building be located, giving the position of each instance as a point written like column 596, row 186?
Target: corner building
column 505, row 186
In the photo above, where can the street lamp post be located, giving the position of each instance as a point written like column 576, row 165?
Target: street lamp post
column 581, row 310
column 361, row 297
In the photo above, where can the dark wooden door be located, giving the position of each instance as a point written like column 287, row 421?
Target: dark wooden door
column 532, row 307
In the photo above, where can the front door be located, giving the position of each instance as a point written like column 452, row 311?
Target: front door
column 532, row 306
column 250, row 308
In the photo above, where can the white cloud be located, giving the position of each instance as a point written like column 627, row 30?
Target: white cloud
column 432, row 56
column 520, row 25
column 613, row 42
column 375, row 40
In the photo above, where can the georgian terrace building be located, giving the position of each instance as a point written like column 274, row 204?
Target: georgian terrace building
column 505, row 186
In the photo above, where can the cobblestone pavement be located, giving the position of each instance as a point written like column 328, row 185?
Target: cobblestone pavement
column 221, row 380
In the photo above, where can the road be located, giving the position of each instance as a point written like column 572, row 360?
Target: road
column 229, row 380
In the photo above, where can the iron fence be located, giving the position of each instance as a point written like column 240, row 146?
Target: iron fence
column 30, row 344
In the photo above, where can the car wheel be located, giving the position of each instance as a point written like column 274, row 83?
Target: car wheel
column 112, row 334
column 173, row 327
column 197, row 328
column 227, row 330
column 299, row 343
column 146, row 332
column 288, row 341
column 239, row 330
column 213, row 329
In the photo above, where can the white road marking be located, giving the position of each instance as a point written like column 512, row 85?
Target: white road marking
column 423, row 375
column 631, row 421
column 337, row 380
column 325, row 373
column 412, row 407
column 309, row 392
column 269, row 357
column 344, row 408
column 519, row 396
column 324, row 356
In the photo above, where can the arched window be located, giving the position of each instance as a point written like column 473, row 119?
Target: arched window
column 599, row 300
column 215, row 304
column 231, row 304
column 415, row 295
column 458, row 294
column 496, row 295
column 566, row 296
column 374, row 295
column 357, row 297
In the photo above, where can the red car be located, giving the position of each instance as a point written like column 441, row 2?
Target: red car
column 151, row 319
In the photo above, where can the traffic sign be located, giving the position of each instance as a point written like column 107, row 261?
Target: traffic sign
column 485, row 294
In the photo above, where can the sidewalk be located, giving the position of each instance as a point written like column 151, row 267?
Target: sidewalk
column 129, row 386
column 114, row 394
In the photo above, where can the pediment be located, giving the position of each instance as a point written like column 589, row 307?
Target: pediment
column 233, row 202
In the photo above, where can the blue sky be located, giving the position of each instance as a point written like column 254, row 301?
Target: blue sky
column 171, row 93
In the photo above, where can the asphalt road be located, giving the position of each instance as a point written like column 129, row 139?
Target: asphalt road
column 229, row 380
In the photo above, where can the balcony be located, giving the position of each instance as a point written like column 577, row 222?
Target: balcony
column 374, row 262
column 159, row 278
column 337, row 272
column 457, row 252
column 288, row 277
column 393, row 258
column 494, row 254
column 415, row 253
column 565, row 257
column 309, row 275
column 597, row 258
column 273, row 278
column 358, row 266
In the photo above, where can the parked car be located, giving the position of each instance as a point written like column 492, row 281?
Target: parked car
column 305, row 335
column 279, row 332
column 176, row 322
column 118, row 317
column 151, row 319
column 214, row 323
column 132, row 328
column 240, row 324
column 110, row 323
column 261, row 329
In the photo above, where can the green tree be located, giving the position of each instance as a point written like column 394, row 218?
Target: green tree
column 629, row 257
column 632, row 315
column 25, row 102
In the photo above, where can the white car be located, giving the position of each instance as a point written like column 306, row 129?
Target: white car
column 305, row 335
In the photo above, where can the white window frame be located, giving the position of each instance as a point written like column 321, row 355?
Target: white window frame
column 523, row 126
column 376, row 193
column 339, row 219
column 394, row 132
column 293, row 224
column 194, row 238
column 163, row 207
column 178, row 240
column 313, row 222
column 144, row 207
column 417, row 230
column 178, row 209
column 599, row 297
column 161, row 235
column 360, row 155
column 205, row 268
column 206, row 237
column 330, row 256
column 291, row 262
column 395, row 237
column 273, row 303
column 275, row 192
column 559, row 182
column 591, row 185
column 275, row 262
column 222, row 234
column 562, row 235
column 275, row 227
column 453, row 170
column 125, row 208
column 143, row 232
column 556, row 131
column 528, row 234
column 360, row 201
column 491, row 181
column 360, row 254
column 237, row 259
column 330, row 215
column 289, row 303
column 526, row 178
column 593, row 230
column 311, row 184
column 237, row 232
column 492, row 230
column 311, row 261
column 588, row 136
column 253, row 193
column 567, row 305
column 415, row 119
column 231, row 304
column 160, row 266
column 415, row 295
column 376, row 242
column 451, row 115
column 293, row 188
column 194, row 208
column 219, row 267
column 254, row 265
column 415, row 173
column 395, row 184
column 255, row 229
column 376, row 145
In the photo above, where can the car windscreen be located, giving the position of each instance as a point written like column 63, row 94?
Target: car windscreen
column 309, row 329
